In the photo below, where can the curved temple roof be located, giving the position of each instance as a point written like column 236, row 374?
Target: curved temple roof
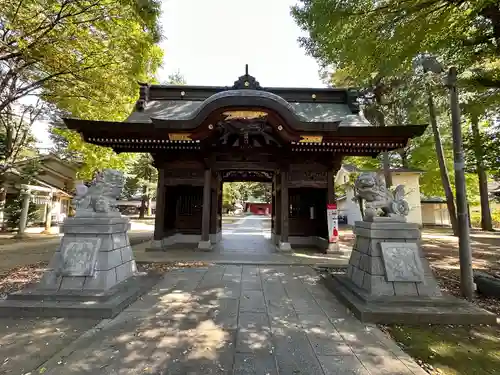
column 314, row 119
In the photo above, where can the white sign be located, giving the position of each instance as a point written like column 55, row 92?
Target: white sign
column 333, row 222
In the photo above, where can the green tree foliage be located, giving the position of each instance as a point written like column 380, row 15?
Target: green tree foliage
column 175, row 79
column 383, row 37
column 16, row 139
column 387, row 45
column 83, row 57
column 490, row 145
column 144, row 175
column 240, row 192
column 13, row 207
column 77, row 49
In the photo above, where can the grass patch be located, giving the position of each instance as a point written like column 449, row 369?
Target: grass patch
column 451, row 350
column 456, row 350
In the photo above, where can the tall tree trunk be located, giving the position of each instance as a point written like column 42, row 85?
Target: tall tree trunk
column 142, row 210
column 445, row 179
column 486, row 222
column 3, row 198
column 150, row 211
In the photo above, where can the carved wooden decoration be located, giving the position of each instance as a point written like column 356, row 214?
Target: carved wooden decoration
column 307, row 176
column 179, row 176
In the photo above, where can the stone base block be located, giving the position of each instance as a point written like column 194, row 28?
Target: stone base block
column 205, row 245
column 216, row 237
column 368, row 308
column 284, row 247
column 72, row 303
column 155, row 245
column 332, row 248
column 387, row 259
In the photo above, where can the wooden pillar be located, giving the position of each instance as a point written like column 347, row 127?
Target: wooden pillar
column 219, row 204
column 273, row 205
column 330, row 187
column 23, row 220
column 160, row 206
column 277, row 201
column 330, row 199
column 205, row 221
column 214, row 205
column 285, row 209
column 48, row 214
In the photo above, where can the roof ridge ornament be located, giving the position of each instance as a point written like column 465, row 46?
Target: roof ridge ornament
column 247, row 81
column 143, row 96
column 352, row 100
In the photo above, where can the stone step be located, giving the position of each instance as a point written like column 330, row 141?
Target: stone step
column 92, row 307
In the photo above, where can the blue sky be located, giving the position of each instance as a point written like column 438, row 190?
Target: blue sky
column 209, row 43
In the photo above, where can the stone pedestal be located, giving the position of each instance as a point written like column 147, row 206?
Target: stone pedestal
column 94, row 254
column 389, row 280
column 387, row 260
column 92, row 273
column 205, row 245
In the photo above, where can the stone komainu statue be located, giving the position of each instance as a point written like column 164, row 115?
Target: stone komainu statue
column 101, row 195
column 380, row 201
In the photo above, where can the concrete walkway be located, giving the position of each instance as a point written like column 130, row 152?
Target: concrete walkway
column 245, row 242
column 233, row 320
column 246, row 236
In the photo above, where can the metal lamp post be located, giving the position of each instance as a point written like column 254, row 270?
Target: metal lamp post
column 430, row 64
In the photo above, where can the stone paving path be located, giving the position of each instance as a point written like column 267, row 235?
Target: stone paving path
column 246, row 236
column 245, row 241
column 234, row 320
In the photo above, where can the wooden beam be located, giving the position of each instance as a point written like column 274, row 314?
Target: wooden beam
column 243, row 165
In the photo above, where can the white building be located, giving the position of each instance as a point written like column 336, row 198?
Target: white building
column 400, row 176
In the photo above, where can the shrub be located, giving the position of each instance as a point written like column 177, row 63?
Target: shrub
column 13, row 208
column 475, row 219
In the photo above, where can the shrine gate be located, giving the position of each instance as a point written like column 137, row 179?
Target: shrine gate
column 201, row 137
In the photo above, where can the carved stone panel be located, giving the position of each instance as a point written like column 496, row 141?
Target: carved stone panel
column 402, row 262
column 79, row 257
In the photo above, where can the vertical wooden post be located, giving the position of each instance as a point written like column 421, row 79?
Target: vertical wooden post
column 273, row 204
column 330, row 187
column 160, row 206
column 23, row 220
column 277, row 201
column 219, row 204
column 205, row 221
column 330, row 199
column 285, row 209
column 48, row 213
column 214, row 195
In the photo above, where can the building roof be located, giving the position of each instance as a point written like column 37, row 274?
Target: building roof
column 350, row 168
column 169, row 117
